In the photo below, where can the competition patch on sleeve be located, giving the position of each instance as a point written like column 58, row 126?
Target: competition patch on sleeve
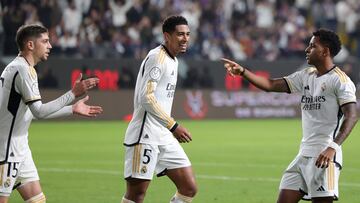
column 35, row 89
column 155, row 73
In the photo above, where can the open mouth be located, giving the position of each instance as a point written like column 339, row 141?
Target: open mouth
column 182, row 46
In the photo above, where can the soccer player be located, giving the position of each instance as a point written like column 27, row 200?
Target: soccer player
column 328, row 105
column 152, row 137
column 20, row 102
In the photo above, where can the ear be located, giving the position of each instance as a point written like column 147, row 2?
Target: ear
column 30, row 45
column 326, row 51
column 166, row 36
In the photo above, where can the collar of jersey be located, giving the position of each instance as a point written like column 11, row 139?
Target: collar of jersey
column 168, row 52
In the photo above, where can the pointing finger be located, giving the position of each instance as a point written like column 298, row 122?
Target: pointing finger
column 228, row 61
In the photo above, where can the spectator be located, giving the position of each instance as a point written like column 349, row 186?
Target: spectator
column 219, row 27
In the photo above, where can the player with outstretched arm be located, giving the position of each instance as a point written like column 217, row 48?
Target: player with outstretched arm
column 20, row 102
column 328, row 105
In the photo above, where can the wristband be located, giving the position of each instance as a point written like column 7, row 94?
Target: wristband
column 334, row 145
column 174, row 127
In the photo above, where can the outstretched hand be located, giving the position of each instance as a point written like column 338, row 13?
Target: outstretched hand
column 82, row 86
column 83, row 109
column 232, row 67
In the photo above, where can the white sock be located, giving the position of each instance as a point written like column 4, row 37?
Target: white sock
column 179, row 198
column 124, row 200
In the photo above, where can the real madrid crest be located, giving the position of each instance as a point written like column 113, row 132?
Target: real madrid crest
column 144, row 169
column 155, row 73
column 323, row 87
column 7, row 183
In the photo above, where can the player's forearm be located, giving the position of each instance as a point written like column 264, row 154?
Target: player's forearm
column 65, row 111
column 350, row 119
column 258, row 81
column 268, row 85
column 153, row 107
column 42, row 111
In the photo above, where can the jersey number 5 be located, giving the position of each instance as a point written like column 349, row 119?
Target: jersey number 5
column 147, row 156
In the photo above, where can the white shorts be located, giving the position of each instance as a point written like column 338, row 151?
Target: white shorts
column 16, row 174
column 143, row 160
column 302, row 175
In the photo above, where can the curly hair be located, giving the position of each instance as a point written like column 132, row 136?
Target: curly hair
column 171, row 22
column 329, row 39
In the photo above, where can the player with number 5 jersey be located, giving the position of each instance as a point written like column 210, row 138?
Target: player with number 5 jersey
column 152, row 137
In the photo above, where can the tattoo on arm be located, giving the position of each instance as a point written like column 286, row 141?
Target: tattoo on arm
column 350, row 120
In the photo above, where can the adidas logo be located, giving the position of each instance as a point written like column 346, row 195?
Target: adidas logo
column 321, row 188
column 146, row 136
column 12, row 154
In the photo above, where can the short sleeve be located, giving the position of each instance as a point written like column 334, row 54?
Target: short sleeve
column 27, row 85
column 295, row 81
column 345, row 91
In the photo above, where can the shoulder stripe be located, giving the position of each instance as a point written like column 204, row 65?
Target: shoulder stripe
column 33, row 73
column 161, row 57
column 341, row 74
column 311, row 70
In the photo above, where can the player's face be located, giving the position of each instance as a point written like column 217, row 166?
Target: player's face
column 179, row 39
column 42, row 47
column 315, row 52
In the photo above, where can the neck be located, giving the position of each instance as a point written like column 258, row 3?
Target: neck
column 29, row 58
column 325, row 66
column 170, row 51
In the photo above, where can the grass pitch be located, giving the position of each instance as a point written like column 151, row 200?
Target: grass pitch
column 234, row 161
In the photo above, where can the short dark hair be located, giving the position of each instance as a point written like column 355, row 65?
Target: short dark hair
column 329, row 39
column 26, row 31
column 171, row 22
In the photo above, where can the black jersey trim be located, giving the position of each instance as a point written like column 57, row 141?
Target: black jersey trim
column 32, row 101
column 288, row 86
column 162, row 173
column 327, row 71
column 13, row 107
column 143, row 68
column 339, row 116
column 347, row 103
column 168, row 52
column 16, row 186
column 141, row 131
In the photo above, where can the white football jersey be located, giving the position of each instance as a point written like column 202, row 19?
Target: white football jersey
column 19, row 86
column 321, row 101
column 153, row 99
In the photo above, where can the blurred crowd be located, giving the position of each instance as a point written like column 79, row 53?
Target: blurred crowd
column 239, row 29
